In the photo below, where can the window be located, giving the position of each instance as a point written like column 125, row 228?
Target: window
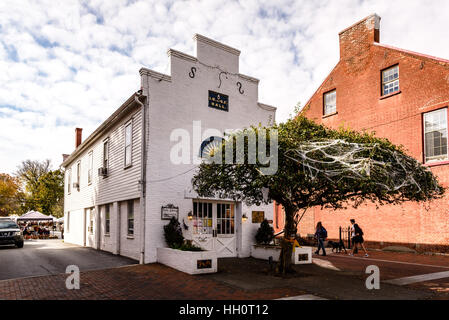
column 69, row 181
column 91, row 164
column 330, row 102
column 91, row 221
column 128, row 144
column 130, row 217
column 225, row 218
column 67, row 223
column 390, row 80
column 105, row 153
column 435, row 135
column 202, row 218
column 107, row 216
column 78, row 174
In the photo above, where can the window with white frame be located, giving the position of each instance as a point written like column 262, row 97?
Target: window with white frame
column 202, row 217
column 435, row 135
column 130, row 205
column 91, row 221
column 69, row 181
column 107, row 220
column 390, row 80
column 78, row 174
column 225, row 218
column 128, row 144
column 330, row 102
column 90, row 169
column 105, row 154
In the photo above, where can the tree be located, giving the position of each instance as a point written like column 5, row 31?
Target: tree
column 10, row 195
column 317, row 166
column 49, row 194
column 44, row 187
column 30, row 171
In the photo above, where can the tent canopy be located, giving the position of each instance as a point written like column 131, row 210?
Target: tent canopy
column 34, row 215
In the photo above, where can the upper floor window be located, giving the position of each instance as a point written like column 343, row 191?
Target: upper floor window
column 105, row 154
column 69, row 181
column 435, row 135
column 78, row 175
column 128, row 144
column 330, row 102
column 90, row 169
column 390, row 80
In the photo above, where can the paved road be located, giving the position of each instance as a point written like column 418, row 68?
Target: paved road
column 46, row 257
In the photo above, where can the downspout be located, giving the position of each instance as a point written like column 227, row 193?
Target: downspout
column 142, row 181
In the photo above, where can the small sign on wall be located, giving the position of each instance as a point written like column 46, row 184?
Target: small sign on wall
column 204, row 264
column 218, row 101
column 169, row 211
column 258, row 216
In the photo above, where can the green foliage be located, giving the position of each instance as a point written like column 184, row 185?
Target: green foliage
column 44, row 188
column 265, row 233
column 295, row 189
column 173, row 234
column 187, row 246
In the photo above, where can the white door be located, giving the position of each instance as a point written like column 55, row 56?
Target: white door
column 214, row 227
column 225, row 240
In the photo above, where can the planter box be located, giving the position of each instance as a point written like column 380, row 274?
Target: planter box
column 301, row 255
column 191, row 262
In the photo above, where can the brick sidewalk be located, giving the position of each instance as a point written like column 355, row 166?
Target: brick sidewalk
column 151, row 281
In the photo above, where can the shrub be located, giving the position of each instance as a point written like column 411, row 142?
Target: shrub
column 265, row 233
column 173, row 233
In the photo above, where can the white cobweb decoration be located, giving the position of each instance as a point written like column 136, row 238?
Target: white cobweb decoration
column 337, row 159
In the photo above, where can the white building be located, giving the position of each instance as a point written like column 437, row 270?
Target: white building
column 119, row 185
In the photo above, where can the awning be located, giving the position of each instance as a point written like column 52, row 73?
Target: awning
column 34, row 215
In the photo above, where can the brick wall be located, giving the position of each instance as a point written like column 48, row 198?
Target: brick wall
column 424, row 87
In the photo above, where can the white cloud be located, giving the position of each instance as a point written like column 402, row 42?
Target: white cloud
column 72, row 63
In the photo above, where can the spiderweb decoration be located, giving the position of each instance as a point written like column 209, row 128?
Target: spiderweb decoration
column 336, row 160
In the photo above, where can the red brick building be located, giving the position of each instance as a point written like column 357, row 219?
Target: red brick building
column 400, row 95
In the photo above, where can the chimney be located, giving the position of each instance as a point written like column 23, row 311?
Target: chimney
column 65, row 156
column 78, row 136
column 358, row 38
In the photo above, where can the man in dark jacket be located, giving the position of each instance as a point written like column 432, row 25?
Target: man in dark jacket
column 357, row 237
column 320, row 235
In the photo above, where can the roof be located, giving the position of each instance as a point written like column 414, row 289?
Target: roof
column 34, row 215
column 412, row 53
column 116, row 116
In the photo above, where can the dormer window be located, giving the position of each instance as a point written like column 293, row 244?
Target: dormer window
column 390, row 80
column 330, row 102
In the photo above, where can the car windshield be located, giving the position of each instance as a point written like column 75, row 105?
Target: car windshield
column 8, row 225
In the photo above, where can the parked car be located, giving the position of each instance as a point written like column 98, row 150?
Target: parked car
column 10, row 233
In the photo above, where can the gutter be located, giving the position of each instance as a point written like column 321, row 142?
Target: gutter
column 142, row 181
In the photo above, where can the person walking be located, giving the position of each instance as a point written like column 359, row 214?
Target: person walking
column 320, row 235
column 357, row 237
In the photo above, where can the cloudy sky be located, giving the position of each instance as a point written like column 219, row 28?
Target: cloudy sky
column 67, row 64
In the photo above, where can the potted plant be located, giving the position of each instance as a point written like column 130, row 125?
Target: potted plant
column 182, row 255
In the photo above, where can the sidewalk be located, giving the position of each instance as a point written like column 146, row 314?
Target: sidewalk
column 336, row 276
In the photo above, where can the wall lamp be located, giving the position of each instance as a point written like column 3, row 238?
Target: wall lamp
column 244, row 218
column 190, row 215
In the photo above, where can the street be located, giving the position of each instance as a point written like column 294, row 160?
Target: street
column 48, row 257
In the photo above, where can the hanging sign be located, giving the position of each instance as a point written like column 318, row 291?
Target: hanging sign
column 218, row 101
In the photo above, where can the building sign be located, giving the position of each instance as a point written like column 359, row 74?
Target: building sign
column 204, row 264
column 169, row 211
column 258, row 216
column 218, row 101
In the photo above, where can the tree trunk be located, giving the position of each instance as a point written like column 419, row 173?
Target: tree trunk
column 285, row 259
